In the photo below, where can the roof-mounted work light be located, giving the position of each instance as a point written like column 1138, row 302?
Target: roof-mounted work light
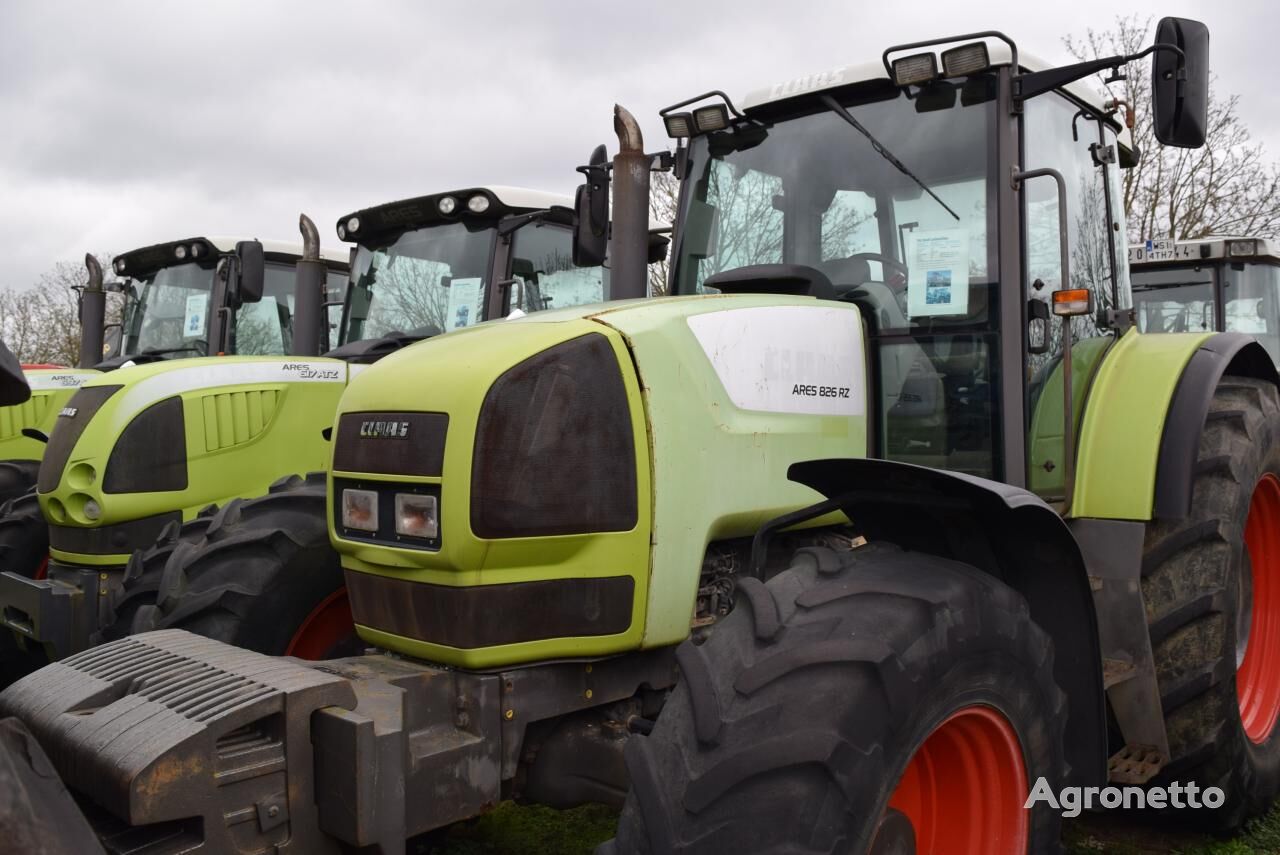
column 1241, row 248
column 679, row 125
column 965, row 60
column 713, row 117
column 915, row 70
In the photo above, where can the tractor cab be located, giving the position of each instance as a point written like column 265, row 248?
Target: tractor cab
column 967, row 202
column 1213, row 284
column 207, row 297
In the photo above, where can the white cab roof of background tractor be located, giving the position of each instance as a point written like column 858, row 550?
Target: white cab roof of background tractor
column 278, row 247
column 1211, row 248
column 998, row 52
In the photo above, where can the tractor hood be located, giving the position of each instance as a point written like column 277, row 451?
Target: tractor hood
column 546, row 486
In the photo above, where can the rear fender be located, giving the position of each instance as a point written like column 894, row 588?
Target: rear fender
column 1004, row 531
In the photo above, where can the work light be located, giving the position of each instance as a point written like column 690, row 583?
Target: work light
column 713, row 117
column 1236, row 248
column 196, row 250
column 965, row 60
column 120, row 266
column 679, row 125
column 353, row 225
column 180, row 252
column 915, row 69
column 478, row 203
column 447, row 205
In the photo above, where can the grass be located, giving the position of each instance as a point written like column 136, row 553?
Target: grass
column 513, row 830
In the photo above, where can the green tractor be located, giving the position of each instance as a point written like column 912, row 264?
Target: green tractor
column 887, row 519
column 1218, row 284
column 147, row 473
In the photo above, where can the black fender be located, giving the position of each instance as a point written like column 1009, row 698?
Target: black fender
column 1225, row 353
column 1002, row 530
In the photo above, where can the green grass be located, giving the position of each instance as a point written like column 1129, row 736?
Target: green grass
column 513, row 830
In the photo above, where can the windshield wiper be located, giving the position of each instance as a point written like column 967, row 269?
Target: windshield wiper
column 840, row 111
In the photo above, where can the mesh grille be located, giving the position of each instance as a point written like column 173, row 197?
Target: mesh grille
column 82, row 407
column 555, row 451
column 151, row 453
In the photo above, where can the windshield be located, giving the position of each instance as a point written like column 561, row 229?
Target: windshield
column 814, row 190
column 171, row 312
column 429, row 280
column 1174, row 300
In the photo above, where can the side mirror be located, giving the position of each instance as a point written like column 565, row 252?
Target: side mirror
column 13, row 382
column 252, row 271
column 591, row 207
column 658, row 246
column 1180, row 84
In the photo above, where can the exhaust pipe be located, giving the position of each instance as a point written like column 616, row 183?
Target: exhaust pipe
column 629, row 238
column 310, row 332
column 93, row 315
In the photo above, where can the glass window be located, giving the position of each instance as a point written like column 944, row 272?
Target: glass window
column 265, row 328
column 542, row 265
column 426, row 281
column 1251, row 303
column 1176, row 299
column 903, row 226
column 170, row 316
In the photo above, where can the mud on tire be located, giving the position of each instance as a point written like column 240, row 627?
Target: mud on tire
column 794, row 721
column 262, row 571
column 1196, row 583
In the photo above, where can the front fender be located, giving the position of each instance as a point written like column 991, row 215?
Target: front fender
column 1143, row 418
column 1005, row 531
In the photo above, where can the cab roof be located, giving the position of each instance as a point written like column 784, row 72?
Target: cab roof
column 426, row 210
column 1209, row 248
column 156, row 256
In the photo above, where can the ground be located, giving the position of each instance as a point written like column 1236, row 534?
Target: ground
column 512, row 830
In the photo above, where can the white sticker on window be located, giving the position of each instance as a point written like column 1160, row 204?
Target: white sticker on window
column 197, row 309
column 939, row 265
column 464, row 303
column 787, row 359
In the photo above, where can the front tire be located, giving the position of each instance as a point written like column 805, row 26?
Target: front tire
column 843, row 698
column 24, row 536
column 264, row 577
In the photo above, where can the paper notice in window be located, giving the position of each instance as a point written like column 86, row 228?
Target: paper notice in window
column 939, row 265
column 464, row 304
column 193, row 323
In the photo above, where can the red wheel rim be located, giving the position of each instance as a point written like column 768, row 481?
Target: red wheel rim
column 43, row 569
column 1258, row 678
column 328, row 626
column 965, row 787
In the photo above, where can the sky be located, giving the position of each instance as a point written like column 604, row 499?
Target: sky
column 124, row 124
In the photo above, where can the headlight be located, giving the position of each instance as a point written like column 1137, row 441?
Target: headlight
column 92, row 510
column 360, row 509
column 416, row 515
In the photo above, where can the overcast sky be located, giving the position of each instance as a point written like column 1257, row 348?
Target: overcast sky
column 129, row 123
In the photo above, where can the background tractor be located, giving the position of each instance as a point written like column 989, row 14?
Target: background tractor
column 1219, row 284
column 840, row 550
column 171, row 539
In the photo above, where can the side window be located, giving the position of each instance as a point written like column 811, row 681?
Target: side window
column 542, row 265
column 1250, row 303
column 1048, row 142
column 265, row 328
column 739, row 224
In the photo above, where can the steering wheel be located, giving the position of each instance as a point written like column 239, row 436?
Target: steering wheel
column 896, row 283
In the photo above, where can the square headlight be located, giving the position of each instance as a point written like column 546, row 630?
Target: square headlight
column 417, row 515
column 360, row 510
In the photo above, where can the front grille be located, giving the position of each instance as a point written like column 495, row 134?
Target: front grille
column 79, row 411
column 151, row 454
column 555, row 449
column 391, row 443
column 492, row 615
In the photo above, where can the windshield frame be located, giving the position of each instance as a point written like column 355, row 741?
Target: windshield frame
column 365, row 248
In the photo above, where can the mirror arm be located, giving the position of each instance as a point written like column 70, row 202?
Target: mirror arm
column 1038, row 82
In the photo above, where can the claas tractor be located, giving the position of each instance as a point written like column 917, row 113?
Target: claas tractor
column 887, row 515
column 149, row 468
column 1218, row 284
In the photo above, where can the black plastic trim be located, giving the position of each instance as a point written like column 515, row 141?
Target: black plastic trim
column 372, row 442
column 150, row 455
column 1224, row 353
column 115, row 539
column 67, row 429
column 492, row 615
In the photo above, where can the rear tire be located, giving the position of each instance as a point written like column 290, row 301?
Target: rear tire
column 1197, row 579
column 793, row 724
column 263, row 577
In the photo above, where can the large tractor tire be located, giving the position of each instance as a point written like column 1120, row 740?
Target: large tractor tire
column 1212, row 588
column 17, row 477
column 873, row 700
column 263, row 577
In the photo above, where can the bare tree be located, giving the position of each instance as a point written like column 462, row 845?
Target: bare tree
column 1227, row 187
column 42, row 323
column 664, row 198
